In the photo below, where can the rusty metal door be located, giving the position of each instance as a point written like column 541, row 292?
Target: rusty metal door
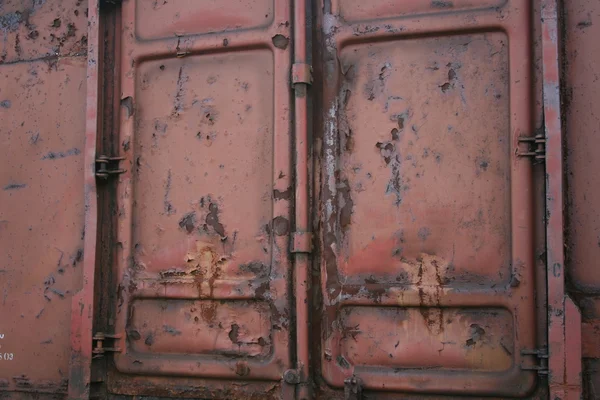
column 205, row 200
column 429, row 143
column 426, row 228
column 423, row 200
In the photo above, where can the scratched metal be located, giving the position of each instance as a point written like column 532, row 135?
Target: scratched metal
column 204, row 205
column 42, row 109
column 42, row 29
column 581, row 69
column 427, row 237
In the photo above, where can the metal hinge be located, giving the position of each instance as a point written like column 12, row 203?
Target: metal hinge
column 302, row 73
column 108, row 166
column 352, row 388
column 99, row 344
column 537, row 146
column 541, row 357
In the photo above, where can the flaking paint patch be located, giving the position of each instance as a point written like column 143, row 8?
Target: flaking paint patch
column 330, row 159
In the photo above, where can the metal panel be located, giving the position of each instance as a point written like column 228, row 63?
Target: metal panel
column 42, row 109
column 82, row 304
column 582, row 136
column 42, row 248
column 427, row 269
column 581, row 68
column 204, row 205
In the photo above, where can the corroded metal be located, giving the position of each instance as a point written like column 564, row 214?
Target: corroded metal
column 580, row 69
column 426, row 211
column 43, row 123
column 424, row 203
column 83, row 301
column 205, row 203
column 564, row 319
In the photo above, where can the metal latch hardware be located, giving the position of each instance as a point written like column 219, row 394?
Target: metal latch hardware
column 302, row 73
column 107, row 166
column 352, row 388
column 301, row 242
column 541, row 356
column 537, row 146
column 99, row 344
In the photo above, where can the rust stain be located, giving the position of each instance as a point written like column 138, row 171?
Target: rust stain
column 204, row 265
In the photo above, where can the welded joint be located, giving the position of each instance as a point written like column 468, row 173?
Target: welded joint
column 302, row 73
column 301, row 242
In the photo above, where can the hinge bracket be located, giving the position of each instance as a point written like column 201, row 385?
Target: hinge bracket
column 541, row 356
column 301, row 242
column 302, row 73
column 108, row 166
column 353, row 388
column 537, row 147
column 99, row 344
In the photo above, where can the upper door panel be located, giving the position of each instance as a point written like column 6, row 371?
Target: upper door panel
column 202, row 239
column 426, row 237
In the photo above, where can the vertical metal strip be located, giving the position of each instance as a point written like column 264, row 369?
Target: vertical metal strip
column 562, row 383
column 82, row 302
column 301, row 261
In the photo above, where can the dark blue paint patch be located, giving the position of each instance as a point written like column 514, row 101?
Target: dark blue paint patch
column 424, row 233
column 15, row 186
column 60, row 154
column 10, row 22
column 34, row 138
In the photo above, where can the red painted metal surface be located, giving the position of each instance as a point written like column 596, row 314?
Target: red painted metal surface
column 217, row 265
column 426, row 206
column 42, row 113
column 564, row 321
column 581, row 68
column 82, row 303
column 300, row 81
column 205, row 201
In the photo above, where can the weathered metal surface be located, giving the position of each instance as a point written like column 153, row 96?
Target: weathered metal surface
column 42, row 30
column 425, row 205
column 42, row 109
column 425, row 201
column 82, row 304
column 554, row 202
column 204, row 204
column 301, row 77
column 581, row 69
